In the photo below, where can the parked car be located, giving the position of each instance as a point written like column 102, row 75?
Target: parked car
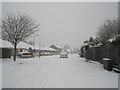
column 64, row 54
column 26, row 55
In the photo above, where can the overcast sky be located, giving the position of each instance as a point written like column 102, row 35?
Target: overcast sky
column 65, row 23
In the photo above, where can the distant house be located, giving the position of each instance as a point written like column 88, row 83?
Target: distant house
column 47, row 51
column 57, row 48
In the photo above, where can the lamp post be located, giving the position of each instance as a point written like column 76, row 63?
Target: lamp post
column 39, row 47
column 34, row 43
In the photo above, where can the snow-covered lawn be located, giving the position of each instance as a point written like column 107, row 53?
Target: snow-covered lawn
column 56, row 72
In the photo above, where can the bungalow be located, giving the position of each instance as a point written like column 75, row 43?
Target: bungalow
column 57, row 48
column 6, row 48
column 47, row 51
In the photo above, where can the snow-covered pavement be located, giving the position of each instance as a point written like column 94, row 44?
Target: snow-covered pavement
column 56, row 72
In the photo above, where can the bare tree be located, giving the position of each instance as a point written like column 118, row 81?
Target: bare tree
column 16, row 28
column 108, row 30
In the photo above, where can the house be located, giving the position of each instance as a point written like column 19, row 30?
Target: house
column 7, row 49
column 23, row 47
column 47, row 51
column 57, row 48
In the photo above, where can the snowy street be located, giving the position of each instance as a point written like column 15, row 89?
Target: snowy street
column 56, row 72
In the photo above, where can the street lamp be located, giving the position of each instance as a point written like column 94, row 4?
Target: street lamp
column 39, row 47
column 34, row 42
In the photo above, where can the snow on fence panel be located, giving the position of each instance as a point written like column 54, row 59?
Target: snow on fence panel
column 108, row 50
column 93, row 53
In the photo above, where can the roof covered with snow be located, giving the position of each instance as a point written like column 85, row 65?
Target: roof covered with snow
column 6, row 44
column 47, row 48
column 24, row 45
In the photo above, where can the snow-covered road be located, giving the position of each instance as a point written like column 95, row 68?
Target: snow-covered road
column 56, row 72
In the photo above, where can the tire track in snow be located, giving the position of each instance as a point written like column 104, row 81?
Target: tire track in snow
column 55, row 77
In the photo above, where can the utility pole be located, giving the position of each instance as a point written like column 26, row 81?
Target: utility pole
column 34, row 44
column 39, row 47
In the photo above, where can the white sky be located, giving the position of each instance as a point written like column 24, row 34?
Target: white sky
column 65, row 22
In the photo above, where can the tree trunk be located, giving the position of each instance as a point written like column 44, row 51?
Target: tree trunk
column 15, row 52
